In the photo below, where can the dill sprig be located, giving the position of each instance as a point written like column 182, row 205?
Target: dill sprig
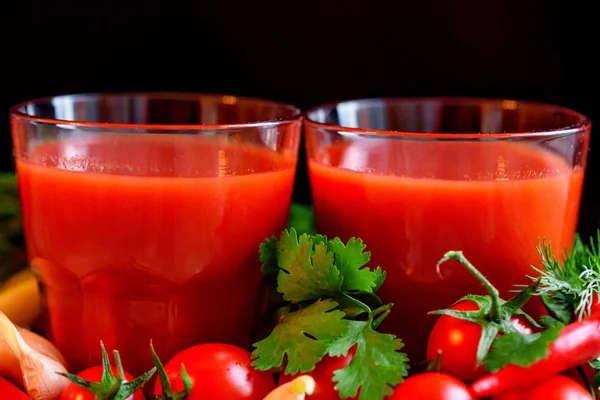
column 570, row 287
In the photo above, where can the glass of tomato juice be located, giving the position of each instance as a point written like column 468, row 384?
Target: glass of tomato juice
column 417, row 177
column 143, row 215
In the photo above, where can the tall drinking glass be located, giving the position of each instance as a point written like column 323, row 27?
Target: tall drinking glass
column 417, row 177
column 143, row 214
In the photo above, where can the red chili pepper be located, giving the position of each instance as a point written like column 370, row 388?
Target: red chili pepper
column 578, row 343
column 10, row 391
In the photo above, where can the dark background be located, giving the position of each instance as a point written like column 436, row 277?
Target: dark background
column 309, row 52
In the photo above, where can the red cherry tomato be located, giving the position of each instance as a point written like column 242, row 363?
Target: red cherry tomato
column 432, row 386
column 94, row 374
column 323, row 375
column 218, row 372
column 575, row 375
column 9, row 391
column 457, row 340
column 558, row 387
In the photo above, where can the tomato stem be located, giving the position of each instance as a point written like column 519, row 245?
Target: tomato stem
column 495, row 311
column 111, row 387
column 436, row 364
column 167, row 389
column 119, row 365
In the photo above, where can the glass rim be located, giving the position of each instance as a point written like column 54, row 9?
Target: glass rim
column 583, row 124
column 294, row 115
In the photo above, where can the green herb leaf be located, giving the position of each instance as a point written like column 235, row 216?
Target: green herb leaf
column 326, row 286
column 303, row 337
column 351, row 260
column 568, row 289
column 548, row 321
column 310, row 273
column 521, row 349
column 302, row 218
column 377, row 365
column 596, row 378
column 358, row 303
column 268, row 256
column 559, row 307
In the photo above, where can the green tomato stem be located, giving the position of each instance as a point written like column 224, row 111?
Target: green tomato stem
column 167, row 389
column 494, row 294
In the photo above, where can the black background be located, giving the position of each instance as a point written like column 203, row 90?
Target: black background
column 309, row 52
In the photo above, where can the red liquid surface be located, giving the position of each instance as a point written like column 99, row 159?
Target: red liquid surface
column 422, row 199
column 150, row 238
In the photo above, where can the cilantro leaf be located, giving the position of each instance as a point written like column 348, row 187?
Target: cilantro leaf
column 521, row 349
column 327, row 285
column 302, row 337
column 379, row 278
column 268, row 256
column 377, row 365
column 309, row 272
column 351, row 260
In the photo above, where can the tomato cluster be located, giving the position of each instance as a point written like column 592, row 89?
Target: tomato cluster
column 221, row 371
column 457, row 340
column 216, row 371
column 224, row 372
column 460, row 351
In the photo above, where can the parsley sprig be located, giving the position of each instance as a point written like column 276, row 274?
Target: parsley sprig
column 329, row 307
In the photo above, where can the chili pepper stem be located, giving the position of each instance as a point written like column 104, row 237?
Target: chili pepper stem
column 492, row 291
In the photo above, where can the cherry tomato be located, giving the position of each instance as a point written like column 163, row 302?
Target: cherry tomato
column 94, row 374
column 575, row 375
column 558, row 387
column 432, row 386
column 457, row 340
column 323, row 375
column 218, row 372
column 9, row 391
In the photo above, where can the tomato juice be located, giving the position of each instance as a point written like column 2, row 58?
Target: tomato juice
column 150, row 237
column 412, row 201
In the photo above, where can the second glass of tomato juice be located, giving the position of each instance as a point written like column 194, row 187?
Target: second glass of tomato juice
column 415, row 178
column 143, row 214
